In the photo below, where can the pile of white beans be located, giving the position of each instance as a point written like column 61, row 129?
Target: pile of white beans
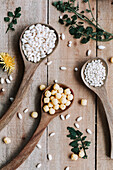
column 37, row 42
column 95, row 73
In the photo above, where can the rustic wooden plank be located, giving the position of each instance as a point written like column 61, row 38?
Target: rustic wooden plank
column 72, row 57
column 105, row 13
column 17, row 130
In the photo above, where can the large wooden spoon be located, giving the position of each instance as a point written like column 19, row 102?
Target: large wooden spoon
column 45, row 119
column 102, row 94
column 27, row 79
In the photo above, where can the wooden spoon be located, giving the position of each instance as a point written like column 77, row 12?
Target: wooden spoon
column 102, row 94
column 29, row 71
column 45, row 119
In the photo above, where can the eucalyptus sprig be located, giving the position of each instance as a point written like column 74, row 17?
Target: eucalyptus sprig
column 12, row 18
column 76, row 28
column 79, row 143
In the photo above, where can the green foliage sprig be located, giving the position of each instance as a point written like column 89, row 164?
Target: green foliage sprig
column 94, row 31
column 13, row 16
column 78, row 142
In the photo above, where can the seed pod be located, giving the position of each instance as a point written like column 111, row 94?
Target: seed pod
column 89, row 131
column 62, row 36
column 10, row 78
column 38, row 146
column 19, row 115
column 67, row 168
column 7, row 81
column 76, row 125
column 101, row 47
column 79, row 119
column 62, row 117
column 25, row 110
column 63, row 68
column 52, row 134
column 49, row 63
column 88, row 52
column 49, row 157
column 67, row 116
column 38, row 165
column 1, row 80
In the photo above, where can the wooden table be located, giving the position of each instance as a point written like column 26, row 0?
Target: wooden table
column 93, row 114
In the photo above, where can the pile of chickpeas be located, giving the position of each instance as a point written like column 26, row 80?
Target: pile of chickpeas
column 57, row 98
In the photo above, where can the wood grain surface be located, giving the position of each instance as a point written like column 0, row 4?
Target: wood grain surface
column 20, row 131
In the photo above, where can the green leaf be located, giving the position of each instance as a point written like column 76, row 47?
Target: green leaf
column 79, row 133
column 17, row 10
column 85, row 1
column 18, row 15
column 87, row 143
column 80, row 22
column 65, row 16
column 10, row 14
column 106, row 35
column 74, row 17
column 10, row 25
column 68, row 21
column 77, row 35
column 71, row 136
column 61, row 21
column 85, row 40
column 82, row 12
column 71, row 130
column 84, row 137
column 87, row 10
column 74, row 144
column 72, row 30
column 75, row 150
column 80, row 28
column 6, row 19
column 12, row 29
column 14, row 21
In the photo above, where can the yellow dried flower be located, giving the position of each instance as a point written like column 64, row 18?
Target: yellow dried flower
column 7, row 61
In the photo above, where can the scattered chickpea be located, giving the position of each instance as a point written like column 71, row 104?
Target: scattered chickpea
column 74, row 157
column 34, row 115
column 83, row 102
column 111, row 59
column 42, row 87
column 6, row 140
column 81, row 154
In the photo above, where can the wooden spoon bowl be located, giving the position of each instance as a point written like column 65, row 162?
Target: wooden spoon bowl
column 45, row 119
column 102, row 94
column 29, row 71
column 59, row 111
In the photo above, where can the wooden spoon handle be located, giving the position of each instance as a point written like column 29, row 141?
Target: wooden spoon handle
column 26, row 151
column 109, row 114
column 29, row 71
